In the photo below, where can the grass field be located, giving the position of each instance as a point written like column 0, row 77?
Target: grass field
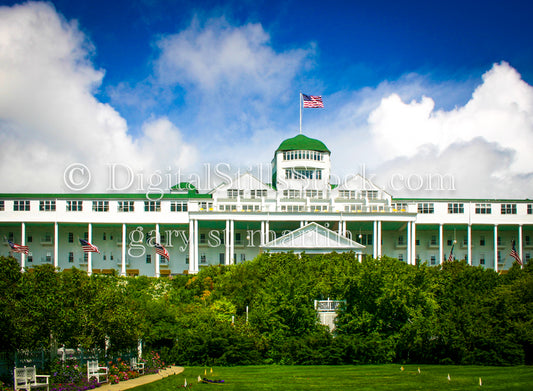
column 341, row 378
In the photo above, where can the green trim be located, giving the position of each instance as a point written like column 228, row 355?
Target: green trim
column 103, row 196
column 478, row 200
column 304, row 143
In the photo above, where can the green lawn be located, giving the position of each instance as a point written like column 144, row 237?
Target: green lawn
column 344, row 377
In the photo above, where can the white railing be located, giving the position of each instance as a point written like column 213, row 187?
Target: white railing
column 328, row 305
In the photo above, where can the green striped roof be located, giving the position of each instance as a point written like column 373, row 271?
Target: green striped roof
column 301, row 142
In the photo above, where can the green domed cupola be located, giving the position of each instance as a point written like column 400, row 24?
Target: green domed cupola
column 304, row 143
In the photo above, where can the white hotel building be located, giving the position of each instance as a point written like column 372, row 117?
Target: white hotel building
column 299, row 211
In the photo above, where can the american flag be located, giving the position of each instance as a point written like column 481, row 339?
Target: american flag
column 17, row 248
column 312, row 101
column 88, row 247
column 159, row 249
column 515, row 255
column 450, row 257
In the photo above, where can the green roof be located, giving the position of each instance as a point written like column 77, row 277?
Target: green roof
column 183, row 186
column 302, row 142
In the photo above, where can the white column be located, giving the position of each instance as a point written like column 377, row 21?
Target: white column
column 409, row 247
column 227, row 242
column 263, row 236
column 413, row 243
column 232, row 242
column 520, row 245
column 191, row 247
column 123, row 250
column 379, row 238
column 469, row 243
column 496, row 247
column 360, row 257
column 301, row 224
column 56, row 245
column 267, row 231
column 441, row 244
column 375, row 240
column 22, row 243
column 90, row 254
column 157, row 256
column 196, row 267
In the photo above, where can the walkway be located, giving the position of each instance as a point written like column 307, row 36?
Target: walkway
column 125, row 385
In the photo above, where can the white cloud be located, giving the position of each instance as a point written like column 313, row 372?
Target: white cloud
column 49, row 116
column 484, row 144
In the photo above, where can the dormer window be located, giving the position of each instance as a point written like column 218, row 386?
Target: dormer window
column 233, row 193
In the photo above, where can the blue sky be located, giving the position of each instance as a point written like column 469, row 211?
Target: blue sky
column 406, row 85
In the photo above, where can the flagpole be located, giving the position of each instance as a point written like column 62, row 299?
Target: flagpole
column 300, row 103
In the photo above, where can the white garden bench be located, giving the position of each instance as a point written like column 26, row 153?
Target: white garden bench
column 137, row 366
column 93, row 370
column 26, row 378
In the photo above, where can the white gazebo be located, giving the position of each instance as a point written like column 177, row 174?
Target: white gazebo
column 313, row 239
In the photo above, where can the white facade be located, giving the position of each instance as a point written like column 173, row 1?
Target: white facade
column 230, row 223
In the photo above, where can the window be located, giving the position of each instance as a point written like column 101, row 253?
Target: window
column 292, row 208
column 71, row 237
column 291, row 194
column 508, row 209
column 243, row 257
column 203, row 259
column 369, row 194
column 30, row 239
column 366, row 239
column 301, row 173
column 314, row 193
column 238, row 238
column 401, row 240
column 71, row 257
column 347, row 194
column 100, row 206
column 303, row 155
column 482, row 259
column 203, row 239
column 152, row 206
column 455, row 208
column 10, row 236
column 21, row 205
column 2, row 206
column 399, row 207
column 529, row 208
column 433, row 260
column 85, row 257
column 483, row 209
column 481, row 240
column 499, row 241
column 148, row 258
column 48, row 257
column 250, row 208
column 104, row 236
column 178, row 206
column 206, row 205
column 47, row 206
column 433, row 241
column 126, row 206
column 449, row 242
column 527, row 257
column 400, row 257
column 527, row 240
column 30, row 257
column 186, row 259
column 74, row 206
column 258, row 193
column 233, row 193
column 47, row 238
column 426, row 208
